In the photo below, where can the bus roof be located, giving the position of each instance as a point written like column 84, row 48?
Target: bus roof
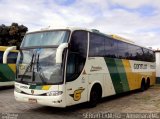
column 121, row 38
column 113, row 36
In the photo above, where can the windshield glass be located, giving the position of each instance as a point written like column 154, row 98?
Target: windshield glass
column 38, row 66
column 45, row 38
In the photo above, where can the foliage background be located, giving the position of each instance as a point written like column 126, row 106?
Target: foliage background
column 12, row 35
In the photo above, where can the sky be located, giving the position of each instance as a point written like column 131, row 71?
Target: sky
column 136, row 20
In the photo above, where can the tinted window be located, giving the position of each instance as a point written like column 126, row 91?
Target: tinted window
column 152, row 56
column 122, row 51
column 103, row 46
column 12, row 57
column 131, row 52
column 96, row 47
column 76, row 55
column 146, row 55
column 79, row 43
column 149, row 55
column 110, row 48
column 75, row 65
column 139, row 53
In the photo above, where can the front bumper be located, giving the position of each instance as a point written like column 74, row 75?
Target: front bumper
column 54, row 101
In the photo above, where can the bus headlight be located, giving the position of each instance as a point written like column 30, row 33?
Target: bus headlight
column 17, row 90
column 54, row 93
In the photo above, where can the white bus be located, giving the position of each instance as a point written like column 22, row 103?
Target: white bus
column 63, row 67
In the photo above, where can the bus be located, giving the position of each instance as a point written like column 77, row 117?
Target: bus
column 8, row 56
column 64, row 67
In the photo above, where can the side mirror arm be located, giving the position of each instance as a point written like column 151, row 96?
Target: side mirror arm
column 6, row 52
column 59, row 52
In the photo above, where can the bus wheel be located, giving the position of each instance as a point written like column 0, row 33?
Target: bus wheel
column 95, row 95
column 143, row 85
column 148, row 83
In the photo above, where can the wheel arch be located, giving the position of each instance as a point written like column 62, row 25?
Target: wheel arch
column 96, row 83
column 148, row 82
column 143, row 80
column 148, row 78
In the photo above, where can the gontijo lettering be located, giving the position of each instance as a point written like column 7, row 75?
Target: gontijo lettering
column 140, row 66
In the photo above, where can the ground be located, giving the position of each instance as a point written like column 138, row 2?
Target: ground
column 133, row 102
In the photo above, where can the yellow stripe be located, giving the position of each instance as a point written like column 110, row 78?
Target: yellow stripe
column 12, row 67
column 153, row 78
column 3, row 48
column 130, row 76
column 135, row 78
column 46, row 87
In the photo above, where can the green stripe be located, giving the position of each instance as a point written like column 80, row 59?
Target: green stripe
column 122, row 74
column 6, row 73
column 32, row 87
column 115, row 76
column 35, row 87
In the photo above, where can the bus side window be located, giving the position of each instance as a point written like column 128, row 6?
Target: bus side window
column 122, row 52
column 96, row 47
column 110, row 48
column 139, row 53
column 12, row 57
column 76, row 55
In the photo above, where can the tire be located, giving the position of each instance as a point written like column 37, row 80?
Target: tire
column 148, row 83
column 95, row 96
column 143, row 85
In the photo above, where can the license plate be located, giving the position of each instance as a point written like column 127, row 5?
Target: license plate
column 32, row 100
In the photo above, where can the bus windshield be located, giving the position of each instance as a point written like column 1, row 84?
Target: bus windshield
column 38, row 66
column 45, row 38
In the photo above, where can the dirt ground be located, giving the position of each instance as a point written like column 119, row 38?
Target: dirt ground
column 147, row 102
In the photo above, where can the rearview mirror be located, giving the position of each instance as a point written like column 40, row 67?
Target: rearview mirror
column 59, row 52
column 6, row 52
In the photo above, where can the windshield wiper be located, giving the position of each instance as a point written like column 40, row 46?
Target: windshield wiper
column 41, row 74
column 29, row 66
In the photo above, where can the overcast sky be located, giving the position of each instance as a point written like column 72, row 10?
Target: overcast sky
column 137, row 20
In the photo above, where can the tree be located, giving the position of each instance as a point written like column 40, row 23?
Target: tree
column 12, row 35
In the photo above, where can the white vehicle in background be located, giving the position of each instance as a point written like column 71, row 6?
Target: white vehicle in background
column 63, row 67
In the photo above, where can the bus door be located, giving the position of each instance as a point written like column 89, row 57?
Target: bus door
column 76, row 79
